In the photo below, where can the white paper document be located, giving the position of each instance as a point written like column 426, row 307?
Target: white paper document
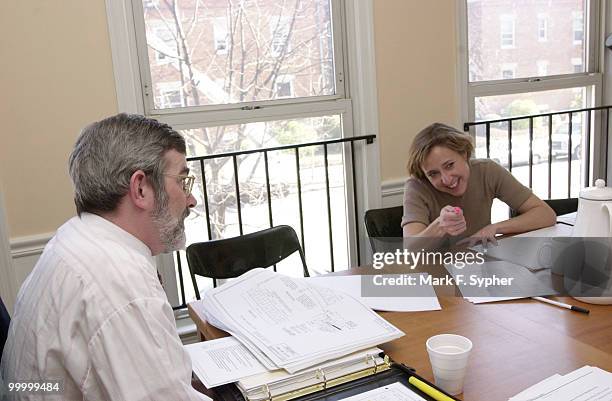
column 222, row 361
column 292, row 323
column 585, row 384
column 484, row 300
column 532, row 250
column 499, row 281
column 534, row 390
column 351, row 284
column 567, row 219
column 392, row 392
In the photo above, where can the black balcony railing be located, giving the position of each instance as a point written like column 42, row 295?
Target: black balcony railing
column 572, row 138
column 349, row 149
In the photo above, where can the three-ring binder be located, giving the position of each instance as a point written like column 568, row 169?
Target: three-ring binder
column 384, row 372
column 324, row 382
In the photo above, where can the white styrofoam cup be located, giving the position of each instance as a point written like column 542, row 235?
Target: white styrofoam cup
column 448, row 354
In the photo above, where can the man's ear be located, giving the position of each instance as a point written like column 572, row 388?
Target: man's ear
column 141, row 191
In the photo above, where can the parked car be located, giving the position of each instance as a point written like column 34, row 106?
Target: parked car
column 520, row 152
column 560, row 140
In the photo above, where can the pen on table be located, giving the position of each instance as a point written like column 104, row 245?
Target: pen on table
column 561, row 304
column 422, row 384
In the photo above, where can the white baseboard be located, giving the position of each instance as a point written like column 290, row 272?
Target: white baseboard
column 25, row 252
column 30, row 245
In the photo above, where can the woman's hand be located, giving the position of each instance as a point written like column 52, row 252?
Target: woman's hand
column 485, row 235
column 451, row 220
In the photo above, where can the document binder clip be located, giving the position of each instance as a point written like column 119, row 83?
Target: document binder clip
column 321, row 375
column 266, row 389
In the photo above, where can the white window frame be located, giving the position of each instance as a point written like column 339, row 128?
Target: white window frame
column 542, row 27
column 592, row 78
column 360, row 109
column 145, row 81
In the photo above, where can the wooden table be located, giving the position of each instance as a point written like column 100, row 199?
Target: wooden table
column 516, row 343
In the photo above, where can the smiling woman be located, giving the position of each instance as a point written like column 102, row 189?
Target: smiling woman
column 449, row 195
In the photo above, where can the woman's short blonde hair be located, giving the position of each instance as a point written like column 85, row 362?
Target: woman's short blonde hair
column 436, row 134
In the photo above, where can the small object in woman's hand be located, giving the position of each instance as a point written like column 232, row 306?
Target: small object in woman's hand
column 457, row 210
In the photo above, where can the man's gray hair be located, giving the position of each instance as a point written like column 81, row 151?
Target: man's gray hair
column 109, row 151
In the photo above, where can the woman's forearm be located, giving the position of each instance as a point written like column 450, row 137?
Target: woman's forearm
column 533, row 219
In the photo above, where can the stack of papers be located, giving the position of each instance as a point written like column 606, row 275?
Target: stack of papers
column 221, row 361
column 291, row 324
column 585, row 384
column 226, row 360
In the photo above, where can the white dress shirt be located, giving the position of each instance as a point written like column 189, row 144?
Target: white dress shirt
column 93, row 314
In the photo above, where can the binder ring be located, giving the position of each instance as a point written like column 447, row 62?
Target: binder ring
column 266, row 389
column 321, row 374
column 375, row 366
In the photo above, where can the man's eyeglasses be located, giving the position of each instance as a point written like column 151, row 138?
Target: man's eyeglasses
column 186, row 181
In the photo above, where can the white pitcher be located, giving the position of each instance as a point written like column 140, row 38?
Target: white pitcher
column 594, row 219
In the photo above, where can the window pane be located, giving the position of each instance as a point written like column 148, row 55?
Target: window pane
column 220, row 186
column 225, row 52
column 524, row 32
column 495, row 107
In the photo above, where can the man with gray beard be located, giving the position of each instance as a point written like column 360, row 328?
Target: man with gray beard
column 92, row 316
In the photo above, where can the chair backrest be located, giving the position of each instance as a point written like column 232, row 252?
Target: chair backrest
column 5, row 321
column 563, row 206
column 384, row 222
column 560, row 206
column 231, row 257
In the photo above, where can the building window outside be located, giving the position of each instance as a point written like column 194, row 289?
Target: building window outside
column 170, row 94
column 577, row 27
column 577, row 65
column 149, row 4
column 163, row 44
column 220, row 35
column 542, row 27
column 279, row 30
column 284, row 86
column 508, row 71
column 506, row 27
column 542, row 68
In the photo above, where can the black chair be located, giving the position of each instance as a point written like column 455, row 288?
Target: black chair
column 560, row 206
column 231, row 257
column 5, row 321
column 383, row 223
column 563, row 206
